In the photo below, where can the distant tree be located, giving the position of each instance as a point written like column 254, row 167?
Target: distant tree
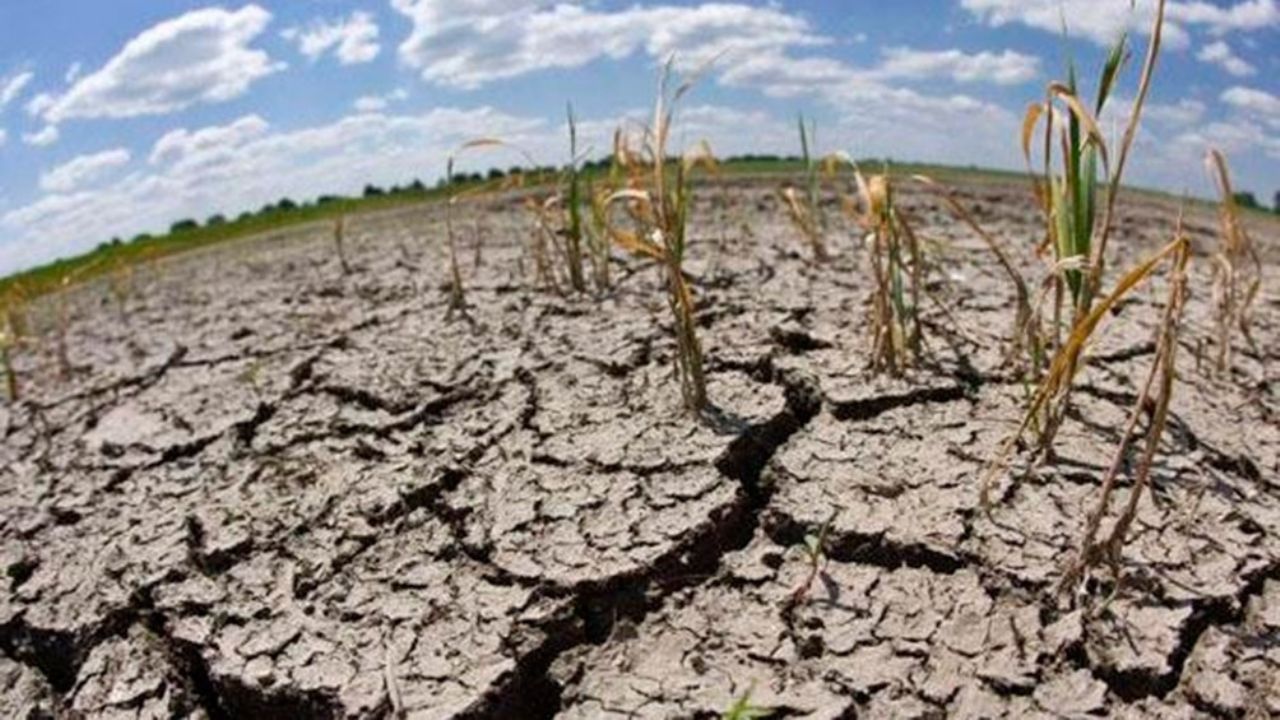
column 286, row 204
column 215, row 220
column 417, row 186
column 496, row 174
column 328, row 199
column 244, row 216
column 372, row 191
column 1275, row 205
column 1246, row 199
column 182, row 226
column 141, row 237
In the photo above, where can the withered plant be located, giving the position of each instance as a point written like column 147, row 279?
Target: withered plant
column 897, row 270
column 1152, row 403
column 1237, row 269
column 339, row 227
column 1067, row 190
column 804, row 206
column 658, row 198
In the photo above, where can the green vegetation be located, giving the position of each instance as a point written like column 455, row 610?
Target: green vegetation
column 814, row 549
column 743, row 709
column 658, row 197
column 805, row 207
column 897, row 266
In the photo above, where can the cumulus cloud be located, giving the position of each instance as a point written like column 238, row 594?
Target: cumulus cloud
column 177, row 145
column 200, row 57
column 378, row 103
column 12, row 87
column 1251, row 101
column 47, row 135
column 4, row 136
column 73, row 72
column 469, row 43
column 1004, row 68
column 240, row 166
column 353, row 39
column 1102, row 22
column 1220, row 53
column 1248, row 15
column 38, row 104
column 82, row 170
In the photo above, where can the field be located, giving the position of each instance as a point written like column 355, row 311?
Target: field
column 273, row 486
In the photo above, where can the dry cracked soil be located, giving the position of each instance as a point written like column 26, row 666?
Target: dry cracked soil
column 274, row 490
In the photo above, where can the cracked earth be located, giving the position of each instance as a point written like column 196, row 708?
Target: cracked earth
column 272, row 489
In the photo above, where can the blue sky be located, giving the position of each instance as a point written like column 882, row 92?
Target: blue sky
column 119, row 117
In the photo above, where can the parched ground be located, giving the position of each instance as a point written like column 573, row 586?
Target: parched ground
column 275, row 490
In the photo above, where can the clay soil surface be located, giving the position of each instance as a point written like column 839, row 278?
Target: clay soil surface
column 274, row 490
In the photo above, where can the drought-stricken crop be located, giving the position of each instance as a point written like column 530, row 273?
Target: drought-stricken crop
column 804, row 206
column 1079, row 242
column 1153, row 403
column 1237, row 269
column 1067, row 190
column 573, row 230
column 897, row 267
column 457, row 289
column 339, row 226
column 658, row 198
column 7, row 342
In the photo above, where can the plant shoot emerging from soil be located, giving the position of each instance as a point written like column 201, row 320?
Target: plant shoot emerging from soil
column 573, row 231
column 815, row 554
column 339, row 225
column 897, row 269
column 743, row 709
column 658, row 197
column 1237, row 269
column 804, row 207
column 1067, row 192
column 1153, row 403
column 7, row 342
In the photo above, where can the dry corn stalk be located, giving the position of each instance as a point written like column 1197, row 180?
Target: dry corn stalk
column 1153, row 403
column 1237, row 269
column 657, row 199
column 897, row 268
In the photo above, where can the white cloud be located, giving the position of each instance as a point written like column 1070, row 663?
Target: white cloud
column 4, row 136
column 1004, row 68
column 178, row 145
column 243, row 165
column 82, row 170
column 1102, row 21
column 73, row 72
column 370, row 103
column 13, row 86
column 200, row 57
column 469, row 43
column 1258, row 103
column 38, row 104
column 354, row 39
column 378, row 103
column 1248, row 15
column 47, row 135
column 1219, row 53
